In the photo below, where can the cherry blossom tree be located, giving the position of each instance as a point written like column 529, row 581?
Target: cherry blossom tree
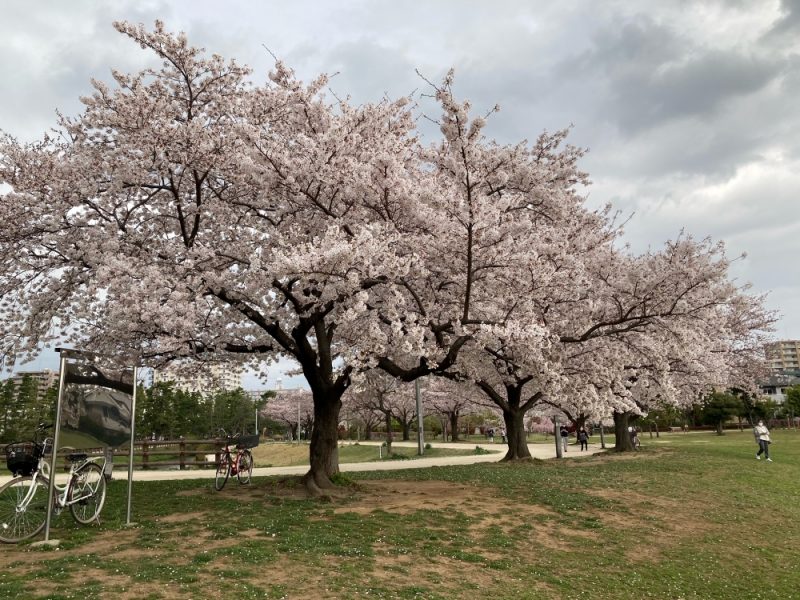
column 452, row 401
column 294, row 408
column 190, row 212
column 374, row 393
column 521, row 277
column 355, row 410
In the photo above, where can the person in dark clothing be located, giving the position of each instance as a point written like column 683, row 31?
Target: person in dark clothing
column 583, row 438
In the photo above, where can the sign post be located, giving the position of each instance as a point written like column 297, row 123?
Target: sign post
column 133, row 438
column 56, row 435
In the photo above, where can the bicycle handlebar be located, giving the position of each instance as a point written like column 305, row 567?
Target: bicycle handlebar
column 226, row 436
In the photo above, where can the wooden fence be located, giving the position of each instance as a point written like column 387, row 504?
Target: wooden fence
column 155, row 454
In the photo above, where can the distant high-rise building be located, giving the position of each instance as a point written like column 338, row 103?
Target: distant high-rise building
column 783, row 356
column 205, row 379
column 44, row 380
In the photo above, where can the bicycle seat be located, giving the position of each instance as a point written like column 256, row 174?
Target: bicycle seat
column 76, row 456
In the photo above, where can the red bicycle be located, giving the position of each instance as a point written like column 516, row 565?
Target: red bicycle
column 239, row 464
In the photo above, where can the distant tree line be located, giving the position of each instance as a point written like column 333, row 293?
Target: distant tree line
column 22, row 407
column 162, row 410
column 718, row 408
column 167, row 412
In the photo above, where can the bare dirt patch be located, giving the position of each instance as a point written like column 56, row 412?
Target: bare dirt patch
column 490, row 519
column 182, row 517
column 404, row 498
column 667, row 521
column 611, row 456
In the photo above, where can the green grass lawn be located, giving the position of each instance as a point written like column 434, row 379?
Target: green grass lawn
column 690, row 516
column 288, row 455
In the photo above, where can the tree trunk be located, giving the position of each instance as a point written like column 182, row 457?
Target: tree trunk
column 324, row 449
column 515, row 432
column 388, row 419
column 623, row 438
column 454, row 426
column 406, row 431
column 580, row 421
column 719, row 428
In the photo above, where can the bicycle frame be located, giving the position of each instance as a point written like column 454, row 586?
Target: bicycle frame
column 233, row 460
column 61, row 498
column 26, row 501
column 236, row 462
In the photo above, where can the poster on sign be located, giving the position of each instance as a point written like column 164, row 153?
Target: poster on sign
column 95, row 412
column 96, row 405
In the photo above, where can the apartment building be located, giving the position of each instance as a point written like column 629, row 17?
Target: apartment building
column 44, row 380
column 205, row 379
column 783, row 356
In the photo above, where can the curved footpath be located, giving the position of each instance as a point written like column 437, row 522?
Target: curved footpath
column 541, row 451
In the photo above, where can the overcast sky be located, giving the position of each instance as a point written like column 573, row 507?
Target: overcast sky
column 689, row 108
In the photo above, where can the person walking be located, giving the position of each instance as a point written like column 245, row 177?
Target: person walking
column 762, row 437
column 564, row 437
column 634, row 437
column 583, row 438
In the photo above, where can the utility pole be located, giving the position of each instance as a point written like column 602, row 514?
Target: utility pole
column 420, row 434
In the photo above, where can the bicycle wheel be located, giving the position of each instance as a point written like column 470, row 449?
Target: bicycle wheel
column 223, row 472
column 88, row 493
column 245, row 470
column 20, row 520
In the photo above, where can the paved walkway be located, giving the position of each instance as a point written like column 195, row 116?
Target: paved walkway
column 542, row 451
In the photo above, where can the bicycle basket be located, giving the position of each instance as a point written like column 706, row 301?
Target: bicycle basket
column 22, row 457
column 247, row 441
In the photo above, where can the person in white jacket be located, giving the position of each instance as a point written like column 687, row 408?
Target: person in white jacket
column 762, row 436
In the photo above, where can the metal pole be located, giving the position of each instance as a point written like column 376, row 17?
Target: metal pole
column 56, row 432
column 133, row 438
column 420, row 433
column 557, row 435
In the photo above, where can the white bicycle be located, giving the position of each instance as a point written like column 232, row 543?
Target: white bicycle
column 23, row 500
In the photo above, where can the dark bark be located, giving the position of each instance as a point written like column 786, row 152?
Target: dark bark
column 515, row 432
column 388, row 420
column 406, row 431
column 514, row 419
column 580, row 421
column 453, row 416
column 324, row 448
column 623, row 420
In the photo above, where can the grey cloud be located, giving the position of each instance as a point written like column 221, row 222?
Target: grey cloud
column 789, row 23
column 367, row 70
column 40, row 78
column 651, row 74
